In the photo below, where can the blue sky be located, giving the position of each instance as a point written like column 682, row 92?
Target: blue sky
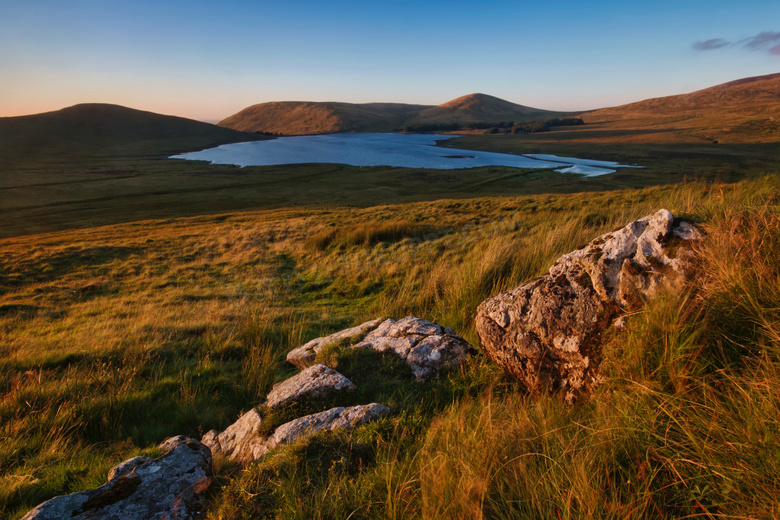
column 207, row 60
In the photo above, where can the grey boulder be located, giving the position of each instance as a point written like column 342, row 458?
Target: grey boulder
column 313, row 382
column 170, row 487
column 429, row 349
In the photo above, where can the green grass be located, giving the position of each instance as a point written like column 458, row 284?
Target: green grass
column 116, row 337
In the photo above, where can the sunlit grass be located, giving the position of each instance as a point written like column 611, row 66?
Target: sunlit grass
column 114, row 338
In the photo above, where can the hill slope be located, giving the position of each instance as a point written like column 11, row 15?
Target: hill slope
column 102, row 129
column 738, row 111
column 479, row 108
column 302, row 117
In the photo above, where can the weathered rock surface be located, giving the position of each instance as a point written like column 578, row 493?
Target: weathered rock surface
column 241, row 441
column 429, row 349
column 315, row 381
column 245, row 443
column 305, row 355
column 547, row 333
column 330, row 420
column 169, row 487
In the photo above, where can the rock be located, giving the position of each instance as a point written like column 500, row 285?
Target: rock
column 315, row 381
column 426, row 347
column 170, row 487
column 241, row 441
column 329, row 420
column 304, row 355
column 547, row 333
column 429, row 349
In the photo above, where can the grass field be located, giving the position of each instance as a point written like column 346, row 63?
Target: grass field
column 142, row 297
column 117, row 336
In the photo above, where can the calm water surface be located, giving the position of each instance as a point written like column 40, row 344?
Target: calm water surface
column 404, row 150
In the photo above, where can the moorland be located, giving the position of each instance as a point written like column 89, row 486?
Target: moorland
column 143, row 297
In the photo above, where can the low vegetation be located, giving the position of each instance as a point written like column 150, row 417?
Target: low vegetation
column 116, row 337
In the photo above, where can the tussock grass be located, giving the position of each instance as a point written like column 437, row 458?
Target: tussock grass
column 116, row 337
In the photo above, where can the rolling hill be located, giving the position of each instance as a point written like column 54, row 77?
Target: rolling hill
column 740, row 111
column 304, row 117
column 480, row 108
column 301, row 117
column 102, row 130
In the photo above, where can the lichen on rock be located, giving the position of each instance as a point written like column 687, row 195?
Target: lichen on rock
column 547, row 333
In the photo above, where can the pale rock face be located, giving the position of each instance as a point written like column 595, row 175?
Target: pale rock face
column 240, row 440
column 304, row 355
column 547, row 332
column 429, row 349
column 170, row 487
column 315, row 381
column 330, row 420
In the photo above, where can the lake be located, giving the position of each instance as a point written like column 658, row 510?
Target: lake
column 403, row 150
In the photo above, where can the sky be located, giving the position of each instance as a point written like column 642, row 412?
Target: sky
column 207, row 60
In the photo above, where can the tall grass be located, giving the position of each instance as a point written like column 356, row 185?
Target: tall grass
column 117, row 337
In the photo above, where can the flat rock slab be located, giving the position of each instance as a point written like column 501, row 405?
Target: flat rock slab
column 305, row 355
column 171, row 487
column 547, row 333
column 313, row 382
column 429, row 349
column 330, row 420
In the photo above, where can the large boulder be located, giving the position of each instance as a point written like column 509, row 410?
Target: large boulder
column 171, row 487
column 313, row 382
column 547, row 333
column 429, row 349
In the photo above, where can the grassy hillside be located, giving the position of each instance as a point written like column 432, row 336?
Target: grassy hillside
column 299, row 117
column 479, row 108
column 740, row 111
column 302, row 117
column 116, row 337
column 99, row 130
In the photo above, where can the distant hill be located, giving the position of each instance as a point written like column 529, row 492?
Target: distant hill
column 301, row 117
column 102, row 129
column 479, row 108
column 745, row 110
column 304, row 117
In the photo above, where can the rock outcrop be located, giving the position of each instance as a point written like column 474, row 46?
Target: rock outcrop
column 170, row 487
column 315, row 381
column 547, row 333
column 429, row 349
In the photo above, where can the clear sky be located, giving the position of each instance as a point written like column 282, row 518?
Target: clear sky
column 207, row 60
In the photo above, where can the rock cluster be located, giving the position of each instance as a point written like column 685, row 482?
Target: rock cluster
column 170, row 487
column 429, row 349
column 547, row 332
